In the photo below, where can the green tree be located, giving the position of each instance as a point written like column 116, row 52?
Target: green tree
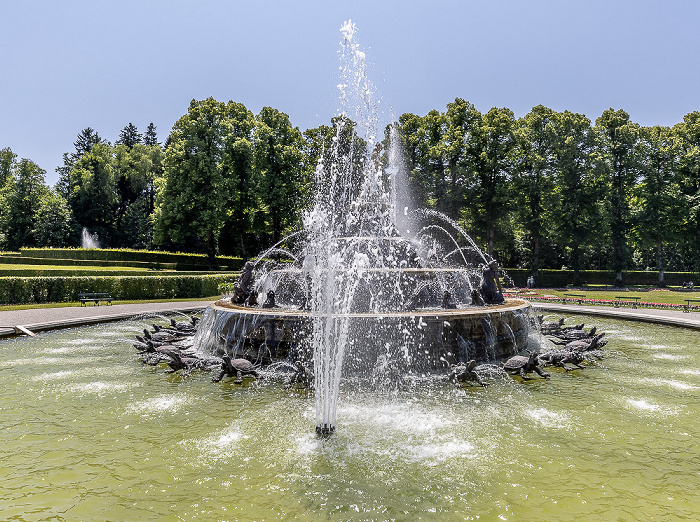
column 7, row 162
column 413, row 142
column 129, row 136
column 93, row 194
column 617, row 159
column 491, row 157
column 657, row 196
column 86, row 139
column 53, row 223
column 460, row 120
column 150, row 137
column 573, row 205
column 135, row 171
column 326, row 148
column 533, row 176
column 193, row 196
column 25, row 191
column 137, row 229
column 687, row 137
column 277, row 158
column 238, row 170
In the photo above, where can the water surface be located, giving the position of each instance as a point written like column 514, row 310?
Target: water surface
column 90, row 433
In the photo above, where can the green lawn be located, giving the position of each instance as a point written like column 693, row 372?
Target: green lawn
column 646, row 295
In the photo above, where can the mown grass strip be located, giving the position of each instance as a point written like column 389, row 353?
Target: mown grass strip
column 649, row 298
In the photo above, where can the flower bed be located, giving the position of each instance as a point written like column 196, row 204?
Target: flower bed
column 532, row 296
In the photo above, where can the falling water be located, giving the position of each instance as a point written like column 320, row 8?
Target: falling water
column 89, row 240
column 364, row 270
column 341, row 216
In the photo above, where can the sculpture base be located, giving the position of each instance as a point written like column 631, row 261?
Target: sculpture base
column 423, row 340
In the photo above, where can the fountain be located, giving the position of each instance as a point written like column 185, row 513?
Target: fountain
column 88, row 240
column 90, row 433
column 370, row 288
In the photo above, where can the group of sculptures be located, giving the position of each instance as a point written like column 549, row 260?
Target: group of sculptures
column 489, row 292
column 576, row 346
column 172, row 345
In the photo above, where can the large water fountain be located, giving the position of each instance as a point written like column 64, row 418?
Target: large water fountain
column 370, row 288
column 90, row 433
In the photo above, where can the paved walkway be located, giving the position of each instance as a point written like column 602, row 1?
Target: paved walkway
column 40, row 319
column 649, row 315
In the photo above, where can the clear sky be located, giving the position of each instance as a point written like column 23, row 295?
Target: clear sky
column 71, row 64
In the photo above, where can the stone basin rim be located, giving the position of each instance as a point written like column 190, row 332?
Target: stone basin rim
column 510, row 305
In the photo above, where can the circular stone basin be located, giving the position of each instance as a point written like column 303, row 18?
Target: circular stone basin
column 430, row 339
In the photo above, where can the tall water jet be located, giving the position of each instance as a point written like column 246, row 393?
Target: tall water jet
column 340, row 218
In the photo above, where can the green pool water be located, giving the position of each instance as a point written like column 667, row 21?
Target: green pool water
column 90, row 433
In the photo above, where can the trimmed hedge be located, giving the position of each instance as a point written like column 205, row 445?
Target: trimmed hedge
column 123, row 254
column 80, row 272
column 28, row 290
column 563, row 278
column 25, row 260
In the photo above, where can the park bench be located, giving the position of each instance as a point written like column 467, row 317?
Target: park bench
column 621, row 298
column 94, row 297
column 581, row 297
column 687, row 304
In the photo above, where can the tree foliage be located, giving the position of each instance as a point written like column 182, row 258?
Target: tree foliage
column 24, row 192
column 195, row 191
column 545, row 190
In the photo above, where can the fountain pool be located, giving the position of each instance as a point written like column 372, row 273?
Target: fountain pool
column 90, row 433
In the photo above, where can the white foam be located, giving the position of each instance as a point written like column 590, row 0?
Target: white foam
column 220, row 444
column 170, row 403
column 101, row 387
column 82, row 372
column 549, row 418
column 643, row 405
column 440, row 451
column 54, row 375
column 397, row 417
column 669, row 356
column 670, row 383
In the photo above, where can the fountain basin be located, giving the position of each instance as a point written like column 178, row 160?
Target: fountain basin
column 429, row 339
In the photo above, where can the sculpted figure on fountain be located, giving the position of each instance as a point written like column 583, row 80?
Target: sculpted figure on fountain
column 243, row 288
column 491, row 291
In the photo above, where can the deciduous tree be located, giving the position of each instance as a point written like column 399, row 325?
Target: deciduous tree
column 617, row 159
column 277, row 158
column 26, row 189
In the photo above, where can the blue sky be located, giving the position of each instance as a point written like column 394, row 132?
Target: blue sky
column 72, row 64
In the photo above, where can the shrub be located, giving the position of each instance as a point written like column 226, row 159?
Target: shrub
column 28, row 290
column 182, row 260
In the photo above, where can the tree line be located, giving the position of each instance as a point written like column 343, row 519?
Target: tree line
column 553, row 189
column 547, row 190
